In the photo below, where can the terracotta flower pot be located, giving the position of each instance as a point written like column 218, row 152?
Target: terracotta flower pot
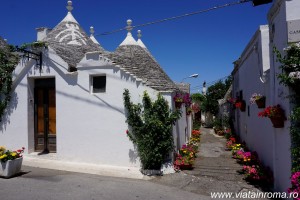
column 261, row 103
column 278, row 122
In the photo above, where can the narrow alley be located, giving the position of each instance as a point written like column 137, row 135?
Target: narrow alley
column 214, row 170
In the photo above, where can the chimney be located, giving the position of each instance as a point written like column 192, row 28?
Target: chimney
column 42, row 33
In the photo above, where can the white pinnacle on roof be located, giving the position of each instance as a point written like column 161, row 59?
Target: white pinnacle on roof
column 69, row 17
column 129, row 40
column 92, row 31
column 139, row 41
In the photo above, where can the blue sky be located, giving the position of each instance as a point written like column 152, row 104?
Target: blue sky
column 206, row 44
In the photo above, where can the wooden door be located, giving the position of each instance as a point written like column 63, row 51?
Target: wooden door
column 45, row 115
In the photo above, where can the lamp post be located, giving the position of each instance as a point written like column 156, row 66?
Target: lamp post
column 191, row 76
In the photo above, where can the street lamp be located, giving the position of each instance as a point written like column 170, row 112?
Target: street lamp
column 191, row 76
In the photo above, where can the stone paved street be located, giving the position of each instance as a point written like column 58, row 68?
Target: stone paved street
column 214, row 171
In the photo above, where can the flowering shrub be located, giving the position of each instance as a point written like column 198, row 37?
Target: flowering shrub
column 295, row 180
column 239, row 154
column 196, row 134
column 183, row 160
column 246, row 157
column 255, row 97
column 233, row 139
column 253, row 172
column 236, row 147
column 227, row 133
column 6, row 155
column 187, row 153
column 229, row 144
column 187, row 100
column 272, row 112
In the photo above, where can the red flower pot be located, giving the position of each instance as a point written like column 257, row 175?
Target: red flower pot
column 243, row 106
column 278, row 122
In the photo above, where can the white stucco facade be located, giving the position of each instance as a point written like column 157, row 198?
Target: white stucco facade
column 256, row 72
column 90, row 127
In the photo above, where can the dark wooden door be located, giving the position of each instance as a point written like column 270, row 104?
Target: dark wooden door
column 45, row 115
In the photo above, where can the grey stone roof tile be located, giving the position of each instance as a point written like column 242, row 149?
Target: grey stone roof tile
column 140, row 63
column 71, row 49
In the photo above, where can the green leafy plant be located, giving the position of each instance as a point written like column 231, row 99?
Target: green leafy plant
column 290, row 76
column 8, row 62
column 150, row 129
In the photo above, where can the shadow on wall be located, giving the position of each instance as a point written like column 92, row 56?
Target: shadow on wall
column 8, row 111
column 133, row 154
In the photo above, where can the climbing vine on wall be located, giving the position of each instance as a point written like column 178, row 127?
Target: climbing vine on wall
column 8, row 61
column 150, row 129
column 290, row 77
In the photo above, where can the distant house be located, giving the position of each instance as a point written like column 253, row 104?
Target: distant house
column 256, row 72
column 72, row 105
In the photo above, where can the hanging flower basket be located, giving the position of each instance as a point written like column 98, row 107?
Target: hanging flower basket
column 241, row 104
column 178, row 104
column 276, row 114
column 188, row 110
column 278, row 122
column 261, row 102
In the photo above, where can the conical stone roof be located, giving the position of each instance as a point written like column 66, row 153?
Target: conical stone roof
column 137, row 61
column 70, row 41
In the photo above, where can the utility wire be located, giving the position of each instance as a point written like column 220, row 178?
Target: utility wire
column 210, row 83
column 167, row 19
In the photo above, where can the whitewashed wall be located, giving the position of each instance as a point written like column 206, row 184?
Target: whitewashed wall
column 90, row 127
column 272, row 144
column 280, row 14
column 254, row 62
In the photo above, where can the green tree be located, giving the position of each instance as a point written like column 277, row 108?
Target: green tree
column 214, row 93
column 8, row 62
column 150, row 126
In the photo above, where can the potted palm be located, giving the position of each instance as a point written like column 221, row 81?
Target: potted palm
column 276, row 115
column 10, row 162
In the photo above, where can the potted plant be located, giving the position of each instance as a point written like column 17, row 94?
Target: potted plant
column 259, row 99
column 188, row 110
column 178, row 99
column 295, row 180
column 241, row 104
column 10, row 162
column 187, row 99
column 276, row 115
